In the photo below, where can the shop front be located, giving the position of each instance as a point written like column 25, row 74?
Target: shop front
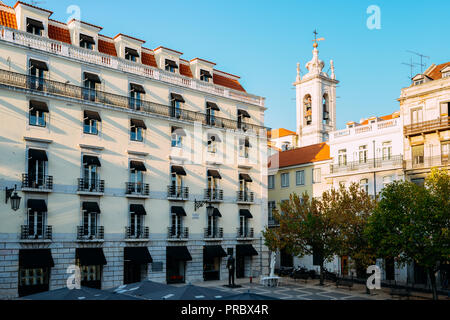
column 176, row 258
column 212, row 258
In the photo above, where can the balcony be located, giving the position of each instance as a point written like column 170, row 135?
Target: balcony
column 213, row 233
column 245, row 197
column 440, row 124
column 272, row 222
column 177, row 193
column 213, row 195
column 139, row 190
column 373, row 129
column 139, row 234
column 427, row 162
column 82, row 94
column 37, row 184
column 369, row 164
column 245, row 234
column 28, row 233
column 177, row 234
column 93, row 187
column 90, row 233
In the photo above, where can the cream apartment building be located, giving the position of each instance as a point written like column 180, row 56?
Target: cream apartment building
column 129, row 162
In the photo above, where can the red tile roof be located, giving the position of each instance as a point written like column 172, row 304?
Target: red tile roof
column 29, row 5
column 149, row 59
column 185, row 70
column 279, row 133
column 435, row 73
column 308, row 154
column 59, row 34
column 388, row 117
column 8, row 19
column 107, row 47
column 227, row 82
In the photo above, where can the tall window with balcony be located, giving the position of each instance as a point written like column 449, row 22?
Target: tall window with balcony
column 91, row 122
column 35, row 27
column 213, row 192
column 176, row 105
column 272, row 206
column 244, row 147
column 176, row 229
column 416, row 116
column 38, row 112
column 37, row 71
column 244, row 194
column 244, row 230
column 211, row 110
column 171, row 65
column 212, row 230
column 418, row 155
column 136, row 185
column 36, row 178
column 91, row 81
column 87, row 42
column 90, row 228
column 137, row 130
column 176, row 189
column 136, row 228
column 131, row 54
column 363, row 154
column 307, row 109
column 242, row 115
column 205, row 75
column 137, row 93
column 364, row 185
column 300, row 178
column 36, row 227
column 90, row 182
column 342, row 157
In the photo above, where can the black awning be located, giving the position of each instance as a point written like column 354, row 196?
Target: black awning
column 92, row 115
column 245, row 213
column 138, row 209
column 216, row 213
column 245, row 177
column 91, row 207
column 92, row 77
column 179, row 211
column 131, row 52
column 177, row 97
column 179, row 131
column 35, row 154
column 138, row 123
column 137, row 88
column 245, row 250
column 91, row 160
column 180, row 253
column 172, row 64
column 37, row 205
column 87, row 39
column 35, row 258
column 138, row 255
column 212, row 106
column 41, row 65
column 243, row 113
column 214, row 174
column 38, row 105
column 215, row 251
column 35, row 23
column 90, row 256
column 179, row 170
column 138, row 166
column 205, row 73
column 214, row 137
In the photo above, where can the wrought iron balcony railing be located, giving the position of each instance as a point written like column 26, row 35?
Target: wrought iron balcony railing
column 213, row 233
column 137, row 233
column 177, row 233
column 90, row 233
column 245, row 233
column 427, row 162
column 442, row 123
column 213, row 195
column 133, row 188
column 243, row 196
column 95, row 186
column 392, row 161
column 34, row 233
column 37, row 183
column 179, row 193
column 97, row 96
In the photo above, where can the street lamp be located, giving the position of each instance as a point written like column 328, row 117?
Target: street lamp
column 15, row 199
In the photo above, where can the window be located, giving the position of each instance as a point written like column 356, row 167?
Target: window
column 417, row 82
column 325, row 137
column 445, row 150
column 444, row 108
column 342, row 157
column 90, row 223
column 416, row 116
column 205, row 75
column 285, row 180
column 211, row 109
column 90, row 173
column 387, row 150
column 137, row 130
column 271, row 182
column 364, row 184
column 36, row 224
column 38, row 114
column 90, row 273
column 90, row 86
column 33, row 277
column 177, row 104
column 326, row 113
column 244, row 145
column 136, row 225
column 418, row 154
column 131, row 54
column 37, row 70
column 419, row 181
column 243, row 226
column 213, row 141
column 176, row 225
column 363, row 154
column 300, row 178
column 171, row 65
column 242, row 114
column 136, row 94
column 307, row 103
column 285, row 146
column 317, row 175
column 91, row 122
column 87, row 42
column 213, row 223
column 446, row 74
column 283, row 203
column 35, row 27
column 37, row 168
column 272, row 207
column 178, row 135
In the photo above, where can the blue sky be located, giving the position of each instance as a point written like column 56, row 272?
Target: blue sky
column 262, row 41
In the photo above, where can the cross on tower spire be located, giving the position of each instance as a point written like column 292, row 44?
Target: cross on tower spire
column 315, row 45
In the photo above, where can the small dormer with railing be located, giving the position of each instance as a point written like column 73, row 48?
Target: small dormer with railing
column 32, row 19
column 84, row 35
column 202, row 69
column 446, row 72
column 128, row 48
column 168, row 59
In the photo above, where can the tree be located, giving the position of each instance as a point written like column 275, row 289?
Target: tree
column 411, row 223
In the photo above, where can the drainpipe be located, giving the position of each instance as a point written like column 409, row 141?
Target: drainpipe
column 374, row 172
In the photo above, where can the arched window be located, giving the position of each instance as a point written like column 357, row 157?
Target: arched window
column 326, row 110
column 307, row 102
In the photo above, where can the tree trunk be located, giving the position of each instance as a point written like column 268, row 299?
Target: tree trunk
column 322, row 275
column 432, row 276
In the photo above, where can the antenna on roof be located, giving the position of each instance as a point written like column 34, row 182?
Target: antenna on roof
column 411, row 65
column 421, row 59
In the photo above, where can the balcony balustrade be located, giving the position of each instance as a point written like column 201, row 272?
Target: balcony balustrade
column 245, row 197
column 91, row 186
column 137, row 233
column 34, row 233
column 39, row 183
column 213, row 233
column 213, row 195
column 177, row 193
column 245, row 233
column 90, row 233
column 139, row 189
column 177, row 233
column 387, row 162
column 440, row 124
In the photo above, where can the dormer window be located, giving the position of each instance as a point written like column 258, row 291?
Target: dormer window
column 171, row 65
column 131, row 54
column 446, row 74
column 87, row 42
column 417, row 82
column 205, row 75
column 35, row 27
